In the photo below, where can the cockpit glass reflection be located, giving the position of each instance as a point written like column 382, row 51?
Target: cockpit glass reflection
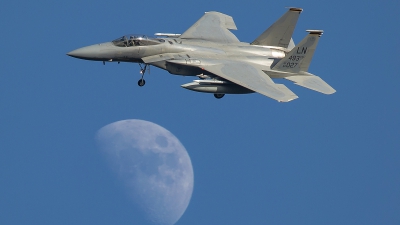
column 136, row 40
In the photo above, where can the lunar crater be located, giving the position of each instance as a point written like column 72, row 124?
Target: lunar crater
column 152, row 164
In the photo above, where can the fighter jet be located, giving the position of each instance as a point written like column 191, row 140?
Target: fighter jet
column 222, row 63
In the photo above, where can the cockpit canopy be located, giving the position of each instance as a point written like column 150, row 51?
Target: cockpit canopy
column 136, row 40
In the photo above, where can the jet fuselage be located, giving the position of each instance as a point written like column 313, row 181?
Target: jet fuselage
column 192, row 49
column 209, row 50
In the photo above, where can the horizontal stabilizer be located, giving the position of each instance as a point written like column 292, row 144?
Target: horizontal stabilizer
column 312, row 82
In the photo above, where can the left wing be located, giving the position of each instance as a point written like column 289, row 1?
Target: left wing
column 250, row 77
column 241, row 73
column 213, row 26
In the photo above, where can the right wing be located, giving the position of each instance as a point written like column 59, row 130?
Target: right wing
column 251, row 77
column 213, row 26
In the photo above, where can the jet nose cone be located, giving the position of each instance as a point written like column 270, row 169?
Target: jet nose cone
column 89, row 52
column 74, row 53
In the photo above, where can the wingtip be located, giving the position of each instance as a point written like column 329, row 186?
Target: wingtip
column 295, row 9
column 333, row 91
column 319, row 32
column 289, row 100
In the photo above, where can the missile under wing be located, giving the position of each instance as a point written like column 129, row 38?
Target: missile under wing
column 209, row 50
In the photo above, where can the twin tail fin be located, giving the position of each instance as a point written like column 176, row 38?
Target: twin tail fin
column 280, row 33
column 299, row 58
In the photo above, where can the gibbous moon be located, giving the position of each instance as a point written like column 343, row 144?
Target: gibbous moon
column 152, row 164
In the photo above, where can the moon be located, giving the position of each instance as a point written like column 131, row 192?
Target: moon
column 152, row 164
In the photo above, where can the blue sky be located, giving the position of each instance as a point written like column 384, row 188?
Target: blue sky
column 316, row 160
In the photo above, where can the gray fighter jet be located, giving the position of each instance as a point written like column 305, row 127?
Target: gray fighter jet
column 222, row 63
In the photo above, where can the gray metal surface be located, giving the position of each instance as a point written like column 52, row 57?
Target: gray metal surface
column 280, row 33
column 213, row 26
column 210, row 51
column 254, row 79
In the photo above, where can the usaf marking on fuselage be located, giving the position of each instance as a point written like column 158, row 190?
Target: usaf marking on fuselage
column 224, row 65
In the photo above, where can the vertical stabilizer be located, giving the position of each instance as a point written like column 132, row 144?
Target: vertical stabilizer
column 299, row 58
column 280, row 33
